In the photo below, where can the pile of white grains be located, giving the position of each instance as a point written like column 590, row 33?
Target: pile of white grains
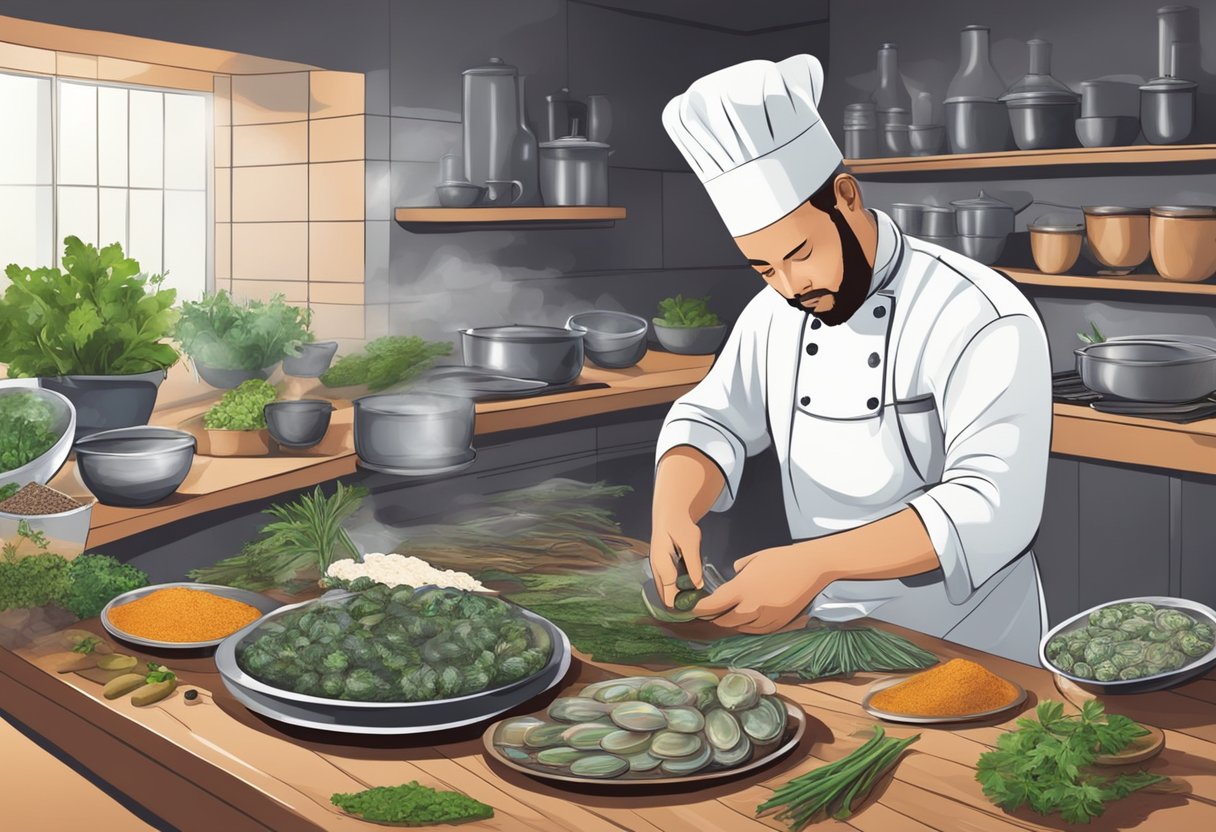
column 398, row 570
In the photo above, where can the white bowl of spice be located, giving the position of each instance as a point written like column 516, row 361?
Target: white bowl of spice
column 61, row 519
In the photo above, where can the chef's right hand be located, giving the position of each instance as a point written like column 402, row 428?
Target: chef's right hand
column 674, row 536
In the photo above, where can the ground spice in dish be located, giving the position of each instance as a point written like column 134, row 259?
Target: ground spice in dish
column 182, row 615
column 956, row 688
column 38, row 499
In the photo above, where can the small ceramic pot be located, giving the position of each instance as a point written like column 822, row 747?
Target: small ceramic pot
column 1117, row 235
column 1183, row 242
column 1055, row 247
column 238, row 442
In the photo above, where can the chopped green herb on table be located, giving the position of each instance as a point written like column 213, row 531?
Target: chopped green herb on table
column 1046, row 763
column 386, row 361
column 412, row 804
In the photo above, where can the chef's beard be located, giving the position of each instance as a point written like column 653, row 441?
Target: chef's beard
column 854, row 285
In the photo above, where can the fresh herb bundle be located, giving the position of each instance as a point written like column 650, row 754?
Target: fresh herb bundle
column 241, row 408
column 100, row 316
column 305, row 537
column 1045, row 764
column 222, row 333
column 27, row 429
column 820, row 651
column 832, row 790
column 412, row 805
column 385, row 362
column 687, row 313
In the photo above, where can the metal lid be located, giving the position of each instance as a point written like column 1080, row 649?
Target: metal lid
column 971, row 99
column 494, row 67
column 981, row 202
column 1184, row 211
column 1168, row 84
column 523, row 333
column 914, row 205
column 1114, row 211
column 575, row 143
column 1034, row 98
column 939, row 209
column 1056, row 227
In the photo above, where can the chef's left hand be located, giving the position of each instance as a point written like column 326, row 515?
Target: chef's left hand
column 770, row 589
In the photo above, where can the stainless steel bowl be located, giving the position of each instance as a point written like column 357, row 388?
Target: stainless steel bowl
column 262, row 603
column 414, row 434
column 1144, row 684
column 300, row 423
column 1147, row 370
column 1107, row 131
column 1039, row 124
column 313, row 359
column 613, row 339
column 134, row 466
column 546, row 353
column 353, row 717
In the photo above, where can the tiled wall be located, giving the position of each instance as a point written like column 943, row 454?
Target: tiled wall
column 289, row 186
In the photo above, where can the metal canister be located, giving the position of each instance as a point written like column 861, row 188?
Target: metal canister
column 491, row 120
column 574, row 171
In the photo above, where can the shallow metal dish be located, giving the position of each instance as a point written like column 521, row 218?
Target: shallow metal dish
column 1161, row 681
column 257, row 600
column 1148, row 370
column 352, row 717
column 795, row 727
column 890, row 716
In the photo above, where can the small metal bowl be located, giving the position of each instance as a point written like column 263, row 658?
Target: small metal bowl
column 134, row 466
column 300, row 423
column 257, row 600
column 1160, row 681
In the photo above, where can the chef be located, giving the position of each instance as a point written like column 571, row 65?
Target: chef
column 904, row 387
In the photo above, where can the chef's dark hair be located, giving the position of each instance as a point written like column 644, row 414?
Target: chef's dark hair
column 825, row 198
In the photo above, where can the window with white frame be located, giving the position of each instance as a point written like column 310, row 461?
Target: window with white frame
column 107, row 164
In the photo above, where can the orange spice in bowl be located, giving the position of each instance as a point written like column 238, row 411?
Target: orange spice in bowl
column 178, row 614
column 957, row 688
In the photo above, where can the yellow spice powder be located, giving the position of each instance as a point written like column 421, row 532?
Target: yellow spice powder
column 182, row 615
column 956, row 688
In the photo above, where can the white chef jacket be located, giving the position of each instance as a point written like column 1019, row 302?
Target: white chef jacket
column 936, row 395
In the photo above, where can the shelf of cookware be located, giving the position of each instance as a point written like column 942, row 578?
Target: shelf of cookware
column 1129, row 154
column 539, row 216
column 1080, row 431
column 1118, row 283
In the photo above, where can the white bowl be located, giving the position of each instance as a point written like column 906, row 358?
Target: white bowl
column 41, row 470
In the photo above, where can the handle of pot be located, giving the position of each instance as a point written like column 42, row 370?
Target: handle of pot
column 518, row 187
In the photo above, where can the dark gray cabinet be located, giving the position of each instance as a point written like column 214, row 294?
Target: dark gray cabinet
column 1197, row 561
column 1057, row 545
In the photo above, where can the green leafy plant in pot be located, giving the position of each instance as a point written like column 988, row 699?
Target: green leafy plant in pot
column 688, row 326
column 236, row 424
column 95, row 332
column 230, row 342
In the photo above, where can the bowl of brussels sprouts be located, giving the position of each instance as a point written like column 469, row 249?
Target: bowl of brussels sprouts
column 1134, row 645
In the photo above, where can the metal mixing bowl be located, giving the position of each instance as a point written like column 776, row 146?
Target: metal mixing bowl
column 134, row 466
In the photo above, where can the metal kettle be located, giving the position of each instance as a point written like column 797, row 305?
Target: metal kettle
column 490, row 115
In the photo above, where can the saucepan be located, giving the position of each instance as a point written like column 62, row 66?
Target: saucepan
column 1148, row 370
column 546, row 353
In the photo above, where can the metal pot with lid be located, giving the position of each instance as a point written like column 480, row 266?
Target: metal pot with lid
column 983, row 216
column 1055, row 243
column 1042, row 110
column 546, row 353
column 574, row 171
column 1167, row 106
column 1117, row 235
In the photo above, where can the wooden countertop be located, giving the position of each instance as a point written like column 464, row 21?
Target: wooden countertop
column 218, row 482
column 212, row 764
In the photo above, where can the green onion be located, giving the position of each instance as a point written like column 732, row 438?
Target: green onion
column 820, row 651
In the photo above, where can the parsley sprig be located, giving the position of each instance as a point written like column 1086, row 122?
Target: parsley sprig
column 1045, row 764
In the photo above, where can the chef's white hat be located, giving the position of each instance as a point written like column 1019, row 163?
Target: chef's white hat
column 753, row 135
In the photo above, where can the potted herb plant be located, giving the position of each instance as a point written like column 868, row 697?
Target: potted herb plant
column 230, row 342
column 236, row 424
column 95, row 332
column 688, row 326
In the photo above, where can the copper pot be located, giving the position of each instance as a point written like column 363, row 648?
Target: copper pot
column 1183, row 242
column 1118, row 235
column 1055, row 246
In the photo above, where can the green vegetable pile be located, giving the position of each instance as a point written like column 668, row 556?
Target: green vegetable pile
column 9, row 490
column 101, row 316
column 385, row 362
column 412, row 805
column 219, row 332
column 687, row 313
column 831, row 790
column 1046, row 764
column 242, row 407
column 396, row 645
column 296, row 548
column 27, row 429
column 82, row 586
column 1131, row 641
column 819, row 651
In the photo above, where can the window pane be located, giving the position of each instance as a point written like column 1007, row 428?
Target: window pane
column 185, row 141
column 186, row 242
column 111, row 136
column 25, row 154
column 25, row 226
column 112, row 217
column 77, row 213
column 77, row 135
column 147, row 139
column 144, row 230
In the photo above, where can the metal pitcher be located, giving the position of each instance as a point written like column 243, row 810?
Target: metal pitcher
column 491, row 121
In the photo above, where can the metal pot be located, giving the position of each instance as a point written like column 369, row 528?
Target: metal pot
column 983, row 216
column 977, row 125
column 574, row 171
column 1167, row 110
column 406, row 433
column 1148, row 370
column 939, row 221
column 909, row 216
column 546, row 353
column 1042, row 110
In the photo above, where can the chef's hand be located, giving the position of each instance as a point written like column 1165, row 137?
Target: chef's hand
column 770, row 589
column 674, row 537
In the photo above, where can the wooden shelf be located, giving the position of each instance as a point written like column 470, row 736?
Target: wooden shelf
column 1132, row 154
column 539, row 215
column 1081, row 431
column 1117, row 283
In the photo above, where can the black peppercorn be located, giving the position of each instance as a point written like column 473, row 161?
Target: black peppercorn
column 191, row 695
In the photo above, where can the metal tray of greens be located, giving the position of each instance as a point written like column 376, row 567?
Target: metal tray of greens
column 397, row 661
column 263, row 603
column 1134, row 645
